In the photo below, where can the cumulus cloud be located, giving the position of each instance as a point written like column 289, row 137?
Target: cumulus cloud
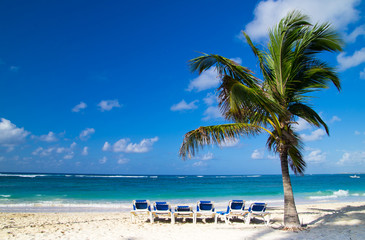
column 50, row 137
column 124, row 145
column 122, row 160
column 181, row 106
column 335, row 119
column 207, row 79
column 205, row 157
column 352, row 158
column 52, row 151
column 362, row 74
column 212, row 112
column 14, row 68
column 79, row 107
column 316, row 156
column 315, row 135
column 85, row 151
column 210, row 99
column 359, row 31
column 107, row 105
column 257, row 154
column 10, row 134
column 106, row 146
column 85, row 134
column 302, row 125
column 268, row 13
column 229, row 143
column 200, row 164
column 346, row 62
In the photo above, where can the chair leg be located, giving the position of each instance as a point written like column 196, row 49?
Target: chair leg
column 248, row 219
column 216, row 218
column 172, row 218
column 151, row 218
column 226, row 219
column 194, row 218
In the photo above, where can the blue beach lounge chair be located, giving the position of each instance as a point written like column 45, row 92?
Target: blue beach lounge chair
column 184, row 212
column 140, row 208
column 258, row 209
column 235, row 209
column 162, row 209
column 205, row 209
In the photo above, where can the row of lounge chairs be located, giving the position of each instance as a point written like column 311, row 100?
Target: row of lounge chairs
column 203, row 210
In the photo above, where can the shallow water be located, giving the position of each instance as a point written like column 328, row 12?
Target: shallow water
column 83, row 192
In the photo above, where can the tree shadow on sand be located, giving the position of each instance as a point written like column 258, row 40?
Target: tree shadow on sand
column 348, row 219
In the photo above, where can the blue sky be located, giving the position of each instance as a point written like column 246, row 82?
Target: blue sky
column 104, row 87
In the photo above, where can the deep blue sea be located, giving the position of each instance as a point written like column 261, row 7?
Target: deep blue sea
column 90, row 192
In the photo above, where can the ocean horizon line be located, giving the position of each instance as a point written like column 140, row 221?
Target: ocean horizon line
column 143, row 174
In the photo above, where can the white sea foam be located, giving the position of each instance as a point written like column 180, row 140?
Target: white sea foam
column 199, row 176
column 254, row 176
column 22, row 175
column 110, row 176
column 220, row 176
column 336, row 194
column 153, row 176
column 181, row 177
column 5, row 196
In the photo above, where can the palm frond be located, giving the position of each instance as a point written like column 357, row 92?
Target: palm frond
column 224, row 67
column 308, row 114
column 219, row 134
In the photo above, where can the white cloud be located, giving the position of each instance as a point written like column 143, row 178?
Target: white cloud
column 107, row 105
column 124, row 145
column 257, row 154
column 352, row 158
column 85, row 134
column 302, row 125
column 85, row 151
column 44, row 152
column 106, row 146
column 229, row 143
column 210, row 99
column 206, row 80
column 335, row 119
column 315, row 135
column 200, row 164
column 212, row 113
column 73, row 145
column 79, row 106
column 359, row 31
column 273, row 157
column 268, row 13
column 357, row 132
column 184, row 106
column 10, row 134
column 122, row 160
column 50, row 137
column 347, row 62
column 362, row 74
column 103, row 160
column 69, row 156
column 205, row 157
column 316, row 156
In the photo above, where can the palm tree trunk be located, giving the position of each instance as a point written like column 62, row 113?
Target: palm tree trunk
column 291, row 218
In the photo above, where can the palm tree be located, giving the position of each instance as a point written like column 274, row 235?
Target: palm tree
column 290, row 70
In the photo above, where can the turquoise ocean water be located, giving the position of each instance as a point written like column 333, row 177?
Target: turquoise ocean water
column 84, row 192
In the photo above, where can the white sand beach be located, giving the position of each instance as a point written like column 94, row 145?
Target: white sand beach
column 324, row 221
